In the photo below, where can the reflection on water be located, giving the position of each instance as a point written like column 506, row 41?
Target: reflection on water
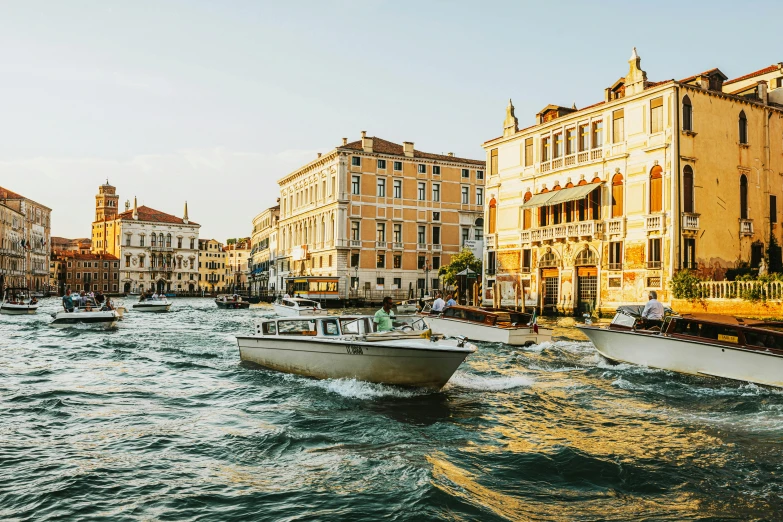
column 158, row 420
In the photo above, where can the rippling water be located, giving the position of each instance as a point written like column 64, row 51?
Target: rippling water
column 158, row 421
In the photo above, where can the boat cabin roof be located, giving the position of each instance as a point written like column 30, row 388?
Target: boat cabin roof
column 299, row 301
column 490, row 317
column 730, row 320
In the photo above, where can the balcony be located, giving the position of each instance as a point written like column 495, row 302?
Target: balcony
column 421, row 246
column 746, row 227
column 355, row 243
column 382, row 245
column 690, row 221
column 563, row 231
column 616, row 227
column 490, row 241
column 437, row 248
column 654, row 222
column 398, row 246
column 615, row 266
column 653, row 265
column 158, row 248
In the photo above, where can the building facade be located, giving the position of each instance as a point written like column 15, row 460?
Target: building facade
column 377, row 216
column 88, row 272
column 213, row 273
column 156, row 251
column 595, row 207
column 34, row 239
column 237, row 260
column 12, row 254
column 261, row 269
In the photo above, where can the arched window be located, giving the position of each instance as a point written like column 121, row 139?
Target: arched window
column 168, row 240
column 656, row 189
column 586, row 258
column 153, row 240
column 526, row 213
column 743, row 128
column 687, row 189
column 160, row 239
column 617, row 195
column 743, row 197
column 687, row 114
column 493, row 215
column 548, row 260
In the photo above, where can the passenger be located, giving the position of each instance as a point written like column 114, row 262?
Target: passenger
column 769, row 342
column 450, row 301
column 68, row 301
column 384, row 317
column 653, row 311
column 438, row 304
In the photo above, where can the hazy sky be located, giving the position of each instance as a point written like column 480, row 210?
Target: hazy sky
column 212, row 102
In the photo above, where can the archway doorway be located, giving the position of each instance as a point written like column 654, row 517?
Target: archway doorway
column 127, row 288
column 161, row 286
column 586, row 264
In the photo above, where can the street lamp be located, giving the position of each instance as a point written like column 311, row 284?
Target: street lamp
column 427, row 268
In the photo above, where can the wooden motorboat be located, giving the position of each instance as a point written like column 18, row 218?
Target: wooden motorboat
column 296, row 306
column 153, row 304
column 233, row 302
column 334, row 347
column 18, row 301
column 494, row 325
column 699, row 344
column 87, row 312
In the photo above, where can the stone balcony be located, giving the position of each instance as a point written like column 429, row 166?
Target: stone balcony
column 562, row 232
column 655, row 222
column 615, row 227
column 690, row 221
column 489, row 241
column 571, row 160
column 746, row 227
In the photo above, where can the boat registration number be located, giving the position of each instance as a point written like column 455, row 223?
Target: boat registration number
column 728, row 338
column 354, row 350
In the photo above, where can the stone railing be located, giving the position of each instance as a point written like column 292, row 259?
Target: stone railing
column 562, row 231
column 772, row 291
column 490, row 241
column 746, row 227
column 690, row 221
column 654, row 222
column 616, row 226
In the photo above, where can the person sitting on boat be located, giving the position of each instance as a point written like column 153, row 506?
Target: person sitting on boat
column 653, row 311
column 451, row 301
column 438, row 304
column 155, row 296
column 33, row 301
column 68, row 301
column 385, row 316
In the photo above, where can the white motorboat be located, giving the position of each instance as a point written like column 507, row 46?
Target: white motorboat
column 18, row 301
column 296, row 306
column 88, row 312
column 411, row 306
column 493, row 326
column 333, row 347
column 698, row 344
column 232, row 302
column 159, row 304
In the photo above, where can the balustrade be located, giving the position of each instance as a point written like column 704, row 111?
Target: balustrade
column 615, row 226
column 690, row 221
column 771, row 291
column 490, row 241
column 570, row 160
column 746, row 227
column 654, row 222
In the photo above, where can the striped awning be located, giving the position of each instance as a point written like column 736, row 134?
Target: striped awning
column 560, row 196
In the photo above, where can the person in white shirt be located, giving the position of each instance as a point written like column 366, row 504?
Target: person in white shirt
column 438, row 304
column 653, row 311
column 155, row 295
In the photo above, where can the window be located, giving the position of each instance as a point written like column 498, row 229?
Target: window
column 773, row 209
column 398, row 166
column 128, row 240
column 379, row 282
column 381, row 187
column 617, row 195
column 355, row 185
column 526, row 260
column 584, row 137
column 436, row 170
column 382, row 164
column 558, row 140
column 127, row 261
column 192, row 244
column 397, row 231
column 154, row 240
column 654, row 253
column 743, row 197
column 687, row 114
column 528, row 152
column 598, row 134
column 465, row 173
column 545, row 144
column 380, row 261
column 493, row 162
column 435, row 263
column 618, row 126
column 689, row 253
column 656, row 186
column 421, row 236
column 422, row 169
column 656, row 115
column 526, row 213
column 465, row 235
column 465, row 195
column 397, row 283
column 570, row 141
column 743, row 128
column 480, row 196
column 380, row 232
column 355, row 230
column 397, row 189
column 616, row 255
column 397, row 259
column 436, row 235
column 479, row 174
column 493, row 215
column 422, row 262
column 354, row 259
column 436, row 192
column 356, row 161
column 436, row 216
column 422, row 191
column 687, row 189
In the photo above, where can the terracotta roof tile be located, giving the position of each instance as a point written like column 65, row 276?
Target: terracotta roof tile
column 76, row 255
column 155, row 216
column 765, row 70
column 8, row 194
column 387, row 147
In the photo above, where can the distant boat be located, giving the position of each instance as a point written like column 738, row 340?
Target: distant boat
column 18, row 301
column 153, row 305
column 88, row 313
column 233, row 302
column 494, row 326
column 294, row 306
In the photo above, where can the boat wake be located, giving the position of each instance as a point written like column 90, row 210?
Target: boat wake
column 354, row 389
column 488, row 383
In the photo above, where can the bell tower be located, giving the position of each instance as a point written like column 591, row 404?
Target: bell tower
column 106, row 201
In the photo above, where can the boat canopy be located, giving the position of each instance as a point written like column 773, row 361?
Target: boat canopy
column 560, row 196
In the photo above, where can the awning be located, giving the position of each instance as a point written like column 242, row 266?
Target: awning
column 561, row 196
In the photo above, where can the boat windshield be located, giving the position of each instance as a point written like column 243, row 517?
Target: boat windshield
column 296, row 327
column 304, row 303
column 621, row 319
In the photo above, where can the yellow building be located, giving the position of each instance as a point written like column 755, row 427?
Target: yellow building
column 261, row 270
column 376, row 216
column 213, row 273
column 12, row 254
column 593, row 207
column 27, row 242
column 237, row 257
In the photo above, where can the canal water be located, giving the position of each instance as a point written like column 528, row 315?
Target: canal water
column 159, row 421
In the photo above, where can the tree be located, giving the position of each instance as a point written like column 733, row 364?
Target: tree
column 459, row 262
column 231, row 241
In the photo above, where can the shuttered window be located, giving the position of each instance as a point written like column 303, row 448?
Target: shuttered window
column 493, row 161
column 687, row 189
column 656, row 115
column 528, row 152
column 656, row 189
column 617, row 195
column 618, row 126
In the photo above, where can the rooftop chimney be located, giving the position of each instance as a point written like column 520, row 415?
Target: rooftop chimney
column 761, row 90
column 135, row 209
column 345, row 141
column 319, row 154
column 407, row 148
column 366, row 142
column 451, row 154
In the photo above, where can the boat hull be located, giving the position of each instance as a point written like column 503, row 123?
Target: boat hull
column 228, row 305
column 143, row 307
column 9, row 309
column 287, row 311
column 685, row 356
column 97, row 319
column 490, row 334
column 403, row 362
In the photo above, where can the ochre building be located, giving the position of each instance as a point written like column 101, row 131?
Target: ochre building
column 27, row 243
column 594, row 207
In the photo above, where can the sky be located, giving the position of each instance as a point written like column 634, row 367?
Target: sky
column 213, row 102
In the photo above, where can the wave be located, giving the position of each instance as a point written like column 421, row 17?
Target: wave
column 355, row 389
column 472, row 381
